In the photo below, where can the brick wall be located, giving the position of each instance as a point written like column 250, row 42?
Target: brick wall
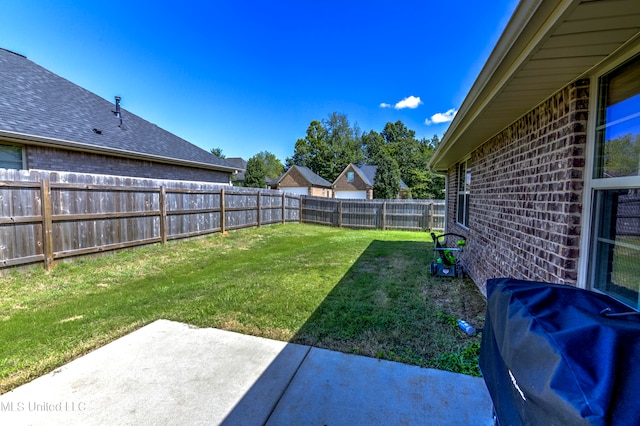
column 293, row 178
column 315, row 191
column 45, row 158
column 526, row 194
column 342, row 184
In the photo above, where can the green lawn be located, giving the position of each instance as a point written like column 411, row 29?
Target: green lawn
column 364, row 292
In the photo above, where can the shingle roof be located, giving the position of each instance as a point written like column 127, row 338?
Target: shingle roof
column 240, row 164
column 38, row 103
column 368, row 173
column 308, row 175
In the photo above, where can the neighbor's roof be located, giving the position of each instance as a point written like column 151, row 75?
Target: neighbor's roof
column 546, row 45
column 368, row 174
column 308, row 175
column 41, row 108
column 240, row 164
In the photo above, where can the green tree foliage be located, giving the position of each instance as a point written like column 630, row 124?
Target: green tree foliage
column 271, row 166
column 622, row 155
column 399, row 143
column 328, row 147
column 254, row 176
column 218, row 152
column 331, row 144
column 386, row 184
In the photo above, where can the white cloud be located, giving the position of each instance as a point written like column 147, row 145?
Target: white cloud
column 385, row 105
column 441, row 117
column 410, row 102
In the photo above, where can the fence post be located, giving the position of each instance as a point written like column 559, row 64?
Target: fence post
column 430, row 222
column 340, row 214
column 258, row 204
column 384, row 215
column 47, row 223
column 300, row 208
column 284, row 207
column 222, row 213
column 163, row 213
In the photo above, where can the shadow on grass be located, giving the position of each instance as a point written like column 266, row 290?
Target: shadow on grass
column 381, row 309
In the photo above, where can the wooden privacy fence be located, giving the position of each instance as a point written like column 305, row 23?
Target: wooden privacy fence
column 43, row 219
column 417, row 215
column 48, row 216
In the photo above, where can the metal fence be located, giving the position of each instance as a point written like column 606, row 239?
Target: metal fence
column 49, row 216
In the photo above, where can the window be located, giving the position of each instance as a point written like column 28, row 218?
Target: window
column 464, row 182
column 616, row 269
column 615, row 244
column 618, row 123
column 10, row 157
column 349, row 177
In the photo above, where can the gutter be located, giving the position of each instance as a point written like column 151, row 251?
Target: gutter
column 27, row 139
column 481, row 93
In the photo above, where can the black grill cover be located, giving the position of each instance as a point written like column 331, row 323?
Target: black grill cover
column 549, row 357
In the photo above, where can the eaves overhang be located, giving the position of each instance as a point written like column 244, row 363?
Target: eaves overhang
column 546, row 45
column 26, row 139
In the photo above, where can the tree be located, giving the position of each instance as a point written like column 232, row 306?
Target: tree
column 622, row 155
column 271, row 166
column 375, row 147
column 386, row 183
column 328, row 147
column 254, row 176
column 313, row 150
column 398, row 143
column 218, row 152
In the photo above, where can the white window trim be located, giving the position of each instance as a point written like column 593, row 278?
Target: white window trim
column 466, row 160
column 591, row 184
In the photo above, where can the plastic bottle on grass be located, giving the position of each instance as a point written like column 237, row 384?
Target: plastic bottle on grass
column 466, row 327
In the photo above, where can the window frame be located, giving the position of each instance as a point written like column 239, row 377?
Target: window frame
column 463, row 193
column 595, row 187
column 23, row 158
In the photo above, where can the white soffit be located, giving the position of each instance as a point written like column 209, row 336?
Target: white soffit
column 546, row 45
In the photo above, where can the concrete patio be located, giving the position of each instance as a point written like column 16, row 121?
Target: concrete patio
column 172, row 374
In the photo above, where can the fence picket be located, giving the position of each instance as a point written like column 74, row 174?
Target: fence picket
column 47, row 216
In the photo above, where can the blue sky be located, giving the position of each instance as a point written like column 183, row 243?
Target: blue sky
column 249, row 76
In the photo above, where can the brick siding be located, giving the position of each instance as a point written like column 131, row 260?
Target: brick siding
column 526, row 194
column 358, row 184
column 341, row 184
column 315, row 191
column 46, row 158
column 293, row 179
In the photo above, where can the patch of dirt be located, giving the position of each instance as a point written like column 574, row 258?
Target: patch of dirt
column 456, row 297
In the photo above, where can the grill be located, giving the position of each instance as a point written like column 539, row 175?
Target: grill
column 555, row 354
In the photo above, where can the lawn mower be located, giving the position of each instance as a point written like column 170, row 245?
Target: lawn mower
column 446, row 249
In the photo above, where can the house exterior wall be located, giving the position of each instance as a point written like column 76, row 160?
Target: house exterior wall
column 296, row 190
column 525, row 198
column 47, row 158
column 358, row 183
column 315, row 191
column 358, row 195
column 294, row 179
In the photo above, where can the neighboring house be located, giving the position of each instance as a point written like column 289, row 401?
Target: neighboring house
column 49, row 123
column 302, row 181
column 543, row 158
column 241, row 166
column 357, row 182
